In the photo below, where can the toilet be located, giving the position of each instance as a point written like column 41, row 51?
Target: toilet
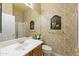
column 47, row 50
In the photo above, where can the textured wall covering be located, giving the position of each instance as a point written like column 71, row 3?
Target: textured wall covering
column 71, row 29
column 19, row 15
column 7, row 8
column 62, row 41
column 37, row 7
column 32, row 15
column 54, row 38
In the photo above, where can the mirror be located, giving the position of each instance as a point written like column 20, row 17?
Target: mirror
column 15, row 22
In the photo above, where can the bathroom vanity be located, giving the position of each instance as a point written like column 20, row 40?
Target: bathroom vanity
column 30, row 47
column 36, row 51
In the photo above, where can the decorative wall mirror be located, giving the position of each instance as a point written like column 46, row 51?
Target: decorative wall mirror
column 55, row 22
column 32, row 25
column 0, row 17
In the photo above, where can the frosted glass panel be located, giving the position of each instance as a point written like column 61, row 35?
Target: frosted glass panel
column 20, row 30
column 8, row 27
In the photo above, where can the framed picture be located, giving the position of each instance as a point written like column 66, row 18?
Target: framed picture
column 32, row 25
column 55, row 23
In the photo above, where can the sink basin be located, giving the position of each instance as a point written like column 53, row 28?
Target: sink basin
column 22, row 46
column 20, row 49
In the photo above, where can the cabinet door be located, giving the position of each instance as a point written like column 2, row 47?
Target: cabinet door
column 38, row 51
column 29, row 54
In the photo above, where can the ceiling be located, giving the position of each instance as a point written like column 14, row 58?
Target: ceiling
column 23, row 7
column 20, row 6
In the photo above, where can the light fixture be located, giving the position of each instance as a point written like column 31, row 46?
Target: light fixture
column 29, row 5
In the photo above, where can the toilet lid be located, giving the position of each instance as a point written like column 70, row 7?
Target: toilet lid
column 46, row 47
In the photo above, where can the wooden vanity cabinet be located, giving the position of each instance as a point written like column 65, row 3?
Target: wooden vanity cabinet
column 36, row 51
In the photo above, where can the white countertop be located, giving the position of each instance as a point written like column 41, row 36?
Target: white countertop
column 18, row 49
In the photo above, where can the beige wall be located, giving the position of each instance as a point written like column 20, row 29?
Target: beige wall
column 19, row 18
column 37, row 7
column 31, row 14
column 54, row 38
column 71, row 28
column 7, row 8
column 19, row 15
column 62, row 41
